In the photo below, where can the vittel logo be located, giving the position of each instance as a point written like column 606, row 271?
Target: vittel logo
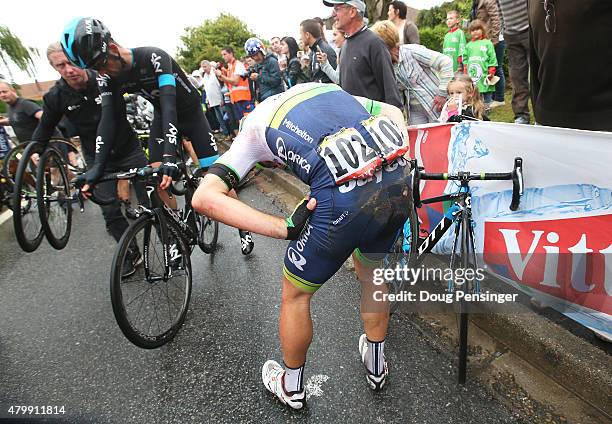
column 291, row 156
column 567, row 257
column 552, row 245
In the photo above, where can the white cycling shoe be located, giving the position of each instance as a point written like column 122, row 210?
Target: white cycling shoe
column 272, row 375
column 376, row 382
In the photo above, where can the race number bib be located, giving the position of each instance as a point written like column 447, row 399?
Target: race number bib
column 349, row 157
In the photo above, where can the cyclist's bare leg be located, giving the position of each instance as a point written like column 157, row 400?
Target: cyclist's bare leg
column 190, row 151
column 123, row 190
column 375, row 315
column 295, row 325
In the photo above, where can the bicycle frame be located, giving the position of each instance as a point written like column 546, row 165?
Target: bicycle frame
column 462, row 203
column 168, row 219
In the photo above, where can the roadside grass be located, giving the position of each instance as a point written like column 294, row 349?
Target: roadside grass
column 504, row 113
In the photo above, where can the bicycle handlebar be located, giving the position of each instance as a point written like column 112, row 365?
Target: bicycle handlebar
column 516, row 175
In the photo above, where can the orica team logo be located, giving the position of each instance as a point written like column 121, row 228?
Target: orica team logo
column 291, row 156
column 296, row 258
column 281, row 149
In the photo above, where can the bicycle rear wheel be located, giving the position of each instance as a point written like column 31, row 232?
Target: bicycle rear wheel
column 26, row 219
column 208, row 233
column 149, row 310
column 53, row 197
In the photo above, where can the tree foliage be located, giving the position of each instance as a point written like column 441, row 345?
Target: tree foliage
column 432, row 22
column 13, row 51
column 207, row 40
column 377, row 10
column 436, row 16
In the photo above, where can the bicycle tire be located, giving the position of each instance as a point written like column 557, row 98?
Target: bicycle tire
column 466, row 253
column 149, row 227
column 25, row 202
column 54, row 199
column 205, row 223
column 397, row 257
column 11, row 161
column 78, row 168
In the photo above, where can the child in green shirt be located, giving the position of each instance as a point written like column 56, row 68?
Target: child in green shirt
column 454, row 40
column 480, row 60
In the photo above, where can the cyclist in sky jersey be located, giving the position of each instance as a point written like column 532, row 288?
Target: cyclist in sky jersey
column 153, row 74
column 349, row 151
column 75, row 96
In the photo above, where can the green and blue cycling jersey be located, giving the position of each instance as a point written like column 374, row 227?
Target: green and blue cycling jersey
column 327, row 137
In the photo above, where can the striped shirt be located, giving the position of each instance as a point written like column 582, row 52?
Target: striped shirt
column 515, row 17
column 425, row 74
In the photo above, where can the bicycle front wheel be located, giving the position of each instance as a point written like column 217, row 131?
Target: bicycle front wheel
column 208, row 233
column 26, row 219
column 468, row 261
column 149, row 308
column 53, row 197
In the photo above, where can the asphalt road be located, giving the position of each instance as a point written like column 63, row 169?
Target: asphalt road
column 60, row 345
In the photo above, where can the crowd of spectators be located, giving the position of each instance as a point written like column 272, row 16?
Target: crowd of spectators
column 386, row 62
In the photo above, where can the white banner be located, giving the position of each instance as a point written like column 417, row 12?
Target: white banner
column 558, row 246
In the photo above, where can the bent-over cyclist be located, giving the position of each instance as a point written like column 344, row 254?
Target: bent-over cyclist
column 350, row 152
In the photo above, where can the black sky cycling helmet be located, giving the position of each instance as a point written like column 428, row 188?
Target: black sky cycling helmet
column 85, row 42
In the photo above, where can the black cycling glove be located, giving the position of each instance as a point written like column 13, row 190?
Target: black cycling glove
column 170, row 168
column 91, row 176
column 297, row 220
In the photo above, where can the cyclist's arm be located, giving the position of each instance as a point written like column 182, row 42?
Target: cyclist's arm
column 213, row 199
column 161, row 63
column 106, row 127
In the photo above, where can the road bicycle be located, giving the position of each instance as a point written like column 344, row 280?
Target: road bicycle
column 25, row 167
column 409, row 251
column 150, row 305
